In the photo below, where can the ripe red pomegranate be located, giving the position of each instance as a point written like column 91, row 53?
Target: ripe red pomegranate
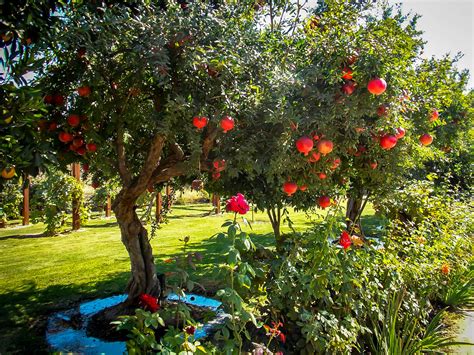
column 426, row 139
column 382, row 110
column 84, row 91
column 200, row 122
column 74, row 120
column 227, row 123
column 216, row 176
column 303, row 188
column 52, row 126
column 58, row 100
column 324, row 201
column 388, row 141
column 81, row 150
column 349, row 87
column 347, row 73
column 218, row 165
column 304, row 145
column 314, row 157
column 377, row 86
column 322, row 176
column 400, row 132
column 373, row 165
column 362, row 148
column 48, row 99
column 65, row 137
column 434, row 116
column 91, row 147
column 325, row 146
column 290, row 188
column 77, row 142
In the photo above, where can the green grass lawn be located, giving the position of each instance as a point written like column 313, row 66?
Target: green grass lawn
column 44, row 274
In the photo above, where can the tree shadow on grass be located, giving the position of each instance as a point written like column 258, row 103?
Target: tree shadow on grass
column 102, row 225
column 28, row 236
column 24, row 312
column 201, row 208
column 183, row 216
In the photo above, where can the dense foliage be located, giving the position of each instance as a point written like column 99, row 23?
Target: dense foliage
column 290, row 106
column 11, row 200
column 52, row 198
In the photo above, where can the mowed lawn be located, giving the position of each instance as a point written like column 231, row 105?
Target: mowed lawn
column 42, row 274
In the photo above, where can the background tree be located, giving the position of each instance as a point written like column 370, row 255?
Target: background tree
column 23, row 26
column 332, row 60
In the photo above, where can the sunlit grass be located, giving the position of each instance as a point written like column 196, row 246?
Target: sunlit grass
column 40, row 274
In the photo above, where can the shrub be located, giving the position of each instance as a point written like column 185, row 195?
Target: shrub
column 52, row 200
column 335, row 298
column 326, row 292
column 11, row 199
column 191, row 196
column 428, row 232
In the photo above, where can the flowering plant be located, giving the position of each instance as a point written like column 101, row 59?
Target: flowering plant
column 149, row 302
column 237, row 204
column 345, row 240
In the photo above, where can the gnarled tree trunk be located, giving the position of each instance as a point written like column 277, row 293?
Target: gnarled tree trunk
column 135, row 238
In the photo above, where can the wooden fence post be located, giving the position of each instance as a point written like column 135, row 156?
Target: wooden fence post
column 76, row 218
column 108, row 206
column 159, row 203
column 218, row 204
column 26, row 200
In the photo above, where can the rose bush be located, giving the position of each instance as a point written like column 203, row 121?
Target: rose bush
column 237, row 204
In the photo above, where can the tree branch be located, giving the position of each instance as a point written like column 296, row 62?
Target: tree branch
column 151, row 162
column 173, row 165
column 121, row 157
column 209, row 142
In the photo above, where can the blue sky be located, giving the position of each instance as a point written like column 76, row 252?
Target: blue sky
column 448, row 27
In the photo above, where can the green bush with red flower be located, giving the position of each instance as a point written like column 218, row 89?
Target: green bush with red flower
column 330, row 288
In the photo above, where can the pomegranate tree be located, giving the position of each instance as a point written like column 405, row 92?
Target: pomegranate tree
column 148, row 113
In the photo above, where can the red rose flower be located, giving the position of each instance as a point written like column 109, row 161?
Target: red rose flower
column 345, row 240
column 149, row 302
column 237, row 204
